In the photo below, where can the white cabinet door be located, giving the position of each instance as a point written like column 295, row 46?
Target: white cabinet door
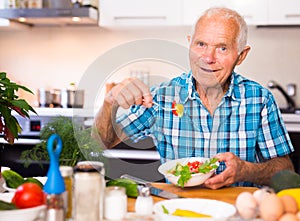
column 140, row 12
column 254, row 11
column 192, row 9
column 284, row 12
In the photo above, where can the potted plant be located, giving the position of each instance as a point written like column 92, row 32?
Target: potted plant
column 78, row 143
column 9, row 102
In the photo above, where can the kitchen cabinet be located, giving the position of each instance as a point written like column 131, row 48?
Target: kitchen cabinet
column 140, row 13
column 284, row 12
column 255, row 12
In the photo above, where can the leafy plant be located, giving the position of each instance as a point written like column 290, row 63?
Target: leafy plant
column 10, row 101
column 78, row 143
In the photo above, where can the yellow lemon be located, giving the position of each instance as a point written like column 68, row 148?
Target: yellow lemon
column 188, row 213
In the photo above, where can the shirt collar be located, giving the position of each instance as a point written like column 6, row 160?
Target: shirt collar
column 233, row 91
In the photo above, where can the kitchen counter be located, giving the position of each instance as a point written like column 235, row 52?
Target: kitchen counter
column 292, row 122
column 227, row 194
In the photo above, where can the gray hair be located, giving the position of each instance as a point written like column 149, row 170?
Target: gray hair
column 227, row 14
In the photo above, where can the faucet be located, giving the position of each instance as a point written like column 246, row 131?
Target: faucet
column 290, row 101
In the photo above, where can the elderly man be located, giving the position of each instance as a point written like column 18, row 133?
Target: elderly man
column 225, row 115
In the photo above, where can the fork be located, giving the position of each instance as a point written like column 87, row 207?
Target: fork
column 164, row 108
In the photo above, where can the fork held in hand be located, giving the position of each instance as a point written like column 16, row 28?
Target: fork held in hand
column 164, row 108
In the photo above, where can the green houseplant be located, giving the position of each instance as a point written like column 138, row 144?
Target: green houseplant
column 10, row 101
column 78, row 143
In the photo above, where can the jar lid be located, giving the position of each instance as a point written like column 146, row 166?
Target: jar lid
column 66, row 171
column 88, row 168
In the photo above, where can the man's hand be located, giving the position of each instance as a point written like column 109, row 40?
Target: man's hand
column 238, row 170
column 130, row 91
column 234, row 171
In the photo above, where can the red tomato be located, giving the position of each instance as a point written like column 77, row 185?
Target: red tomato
column 194, row 166
column 28, row 195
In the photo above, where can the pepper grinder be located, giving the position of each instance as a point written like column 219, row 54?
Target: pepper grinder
column 144, row 202
column 54, row 186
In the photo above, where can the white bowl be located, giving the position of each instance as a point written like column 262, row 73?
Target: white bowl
column 218, row 210
column 196, row 179
column 42, row 179
column 30, row 214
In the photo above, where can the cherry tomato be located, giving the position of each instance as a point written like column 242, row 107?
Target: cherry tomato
column 28, row 195
column 194, row 166
column 174, row 111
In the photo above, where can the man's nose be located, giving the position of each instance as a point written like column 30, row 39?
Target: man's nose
column 209, row 55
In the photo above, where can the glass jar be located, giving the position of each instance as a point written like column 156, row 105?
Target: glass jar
column 88, row 191
column 67, row 174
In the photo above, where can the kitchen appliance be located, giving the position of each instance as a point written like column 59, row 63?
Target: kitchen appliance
column 54, row 13
column 29, row 137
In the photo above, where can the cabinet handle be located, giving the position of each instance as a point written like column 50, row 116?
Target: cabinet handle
column 292, row 15
column 140, row 17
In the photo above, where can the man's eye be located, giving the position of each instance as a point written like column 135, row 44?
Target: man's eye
column 200, row 44
column 223, row 49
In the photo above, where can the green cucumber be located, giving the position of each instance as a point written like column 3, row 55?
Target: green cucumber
column 285, row 179
column 33, row 180
column 12, row 179
column 130, row 186
column 7, row 206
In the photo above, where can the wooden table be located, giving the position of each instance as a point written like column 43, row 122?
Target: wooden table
column 227, row 194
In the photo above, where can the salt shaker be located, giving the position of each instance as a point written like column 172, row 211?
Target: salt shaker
column 115, row 203
column 144, row 202
column 88, row 190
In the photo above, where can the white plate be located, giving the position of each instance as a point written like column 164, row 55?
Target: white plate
column 30, row 214
column 42, row 179
column 217, row 209
column 196, row 179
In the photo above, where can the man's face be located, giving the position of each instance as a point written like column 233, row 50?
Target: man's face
column 213, row 51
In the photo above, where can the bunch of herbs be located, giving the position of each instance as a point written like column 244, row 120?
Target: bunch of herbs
column 78, row 143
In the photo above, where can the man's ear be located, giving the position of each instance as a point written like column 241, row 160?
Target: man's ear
column 243, row 55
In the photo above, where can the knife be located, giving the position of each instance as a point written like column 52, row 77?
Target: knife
column 153, row 190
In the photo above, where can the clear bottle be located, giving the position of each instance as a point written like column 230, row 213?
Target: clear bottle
column 67, row 174
column 88, row 191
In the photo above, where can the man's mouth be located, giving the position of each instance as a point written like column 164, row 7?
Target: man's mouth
column 208, row 70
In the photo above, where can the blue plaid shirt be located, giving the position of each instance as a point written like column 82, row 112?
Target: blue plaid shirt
column 247, row 122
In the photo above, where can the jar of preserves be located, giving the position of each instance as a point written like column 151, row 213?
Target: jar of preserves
column 67, row 174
